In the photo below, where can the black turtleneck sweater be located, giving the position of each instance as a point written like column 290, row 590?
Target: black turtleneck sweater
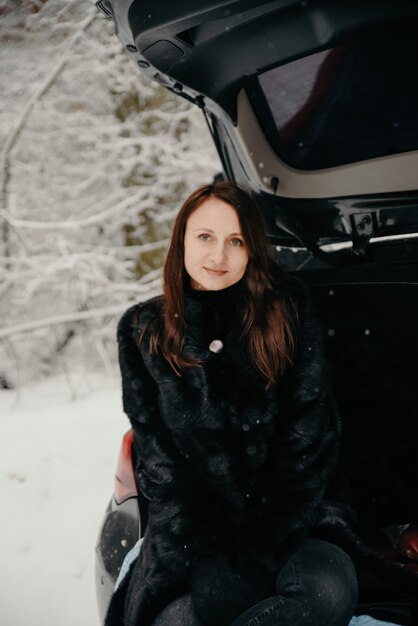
column 222, row 308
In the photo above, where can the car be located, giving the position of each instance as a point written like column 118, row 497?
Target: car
column 313, row 107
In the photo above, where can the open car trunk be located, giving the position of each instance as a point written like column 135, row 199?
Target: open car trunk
column 312, row 106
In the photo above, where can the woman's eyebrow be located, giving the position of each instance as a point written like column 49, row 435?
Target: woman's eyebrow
column 208, row 230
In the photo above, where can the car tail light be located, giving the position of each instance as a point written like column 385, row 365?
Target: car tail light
column 125, row 486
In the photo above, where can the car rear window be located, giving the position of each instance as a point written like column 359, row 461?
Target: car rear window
column 349, row 103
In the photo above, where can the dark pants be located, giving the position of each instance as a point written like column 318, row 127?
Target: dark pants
column 316, row 587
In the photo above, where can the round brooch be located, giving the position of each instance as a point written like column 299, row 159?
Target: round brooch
column 216, row 346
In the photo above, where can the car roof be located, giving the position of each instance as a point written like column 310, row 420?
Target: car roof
column 312, row 105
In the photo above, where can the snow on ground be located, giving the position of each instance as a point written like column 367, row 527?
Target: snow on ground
column 57, row 461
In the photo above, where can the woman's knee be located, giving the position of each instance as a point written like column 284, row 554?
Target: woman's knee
column 323, row 574
column 179, row 612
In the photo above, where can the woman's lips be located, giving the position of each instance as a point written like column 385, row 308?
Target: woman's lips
column 215, row 272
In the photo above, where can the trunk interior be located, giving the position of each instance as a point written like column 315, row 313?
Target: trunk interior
column 369, row 318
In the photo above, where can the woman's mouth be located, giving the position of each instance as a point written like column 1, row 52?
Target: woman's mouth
column 215, row 272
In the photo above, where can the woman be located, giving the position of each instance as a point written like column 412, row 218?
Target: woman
column 236, row 435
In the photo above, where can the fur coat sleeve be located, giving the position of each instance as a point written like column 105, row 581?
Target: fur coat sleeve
column 285, row 497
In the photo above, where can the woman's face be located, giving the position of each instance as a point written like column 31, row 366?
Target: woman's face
column 215, row 253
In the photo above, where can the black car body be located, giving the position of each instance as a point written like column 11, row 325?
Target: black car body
column 313, row 106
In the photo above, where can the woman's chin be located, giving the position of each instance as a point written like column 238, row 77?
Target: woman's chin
column 215, row 284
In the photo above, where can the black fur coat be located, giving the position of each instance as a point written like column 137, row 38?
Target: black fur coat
column 228, row 467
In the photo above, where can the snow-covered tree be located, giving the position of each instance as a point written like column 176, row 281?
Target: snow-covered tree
column 95, row 160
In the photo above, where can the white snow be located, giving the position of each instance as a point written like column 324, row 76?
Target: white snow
column 57, row 461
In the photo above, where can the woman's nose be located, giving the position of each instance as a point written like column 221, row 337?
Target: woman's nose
column 218, row 255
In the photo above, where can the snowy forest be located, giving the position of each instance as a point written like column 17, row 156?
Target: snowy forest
column 95, row 161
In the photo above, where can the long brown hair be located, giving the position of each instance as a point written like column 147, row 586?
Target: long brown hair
column 268, row 315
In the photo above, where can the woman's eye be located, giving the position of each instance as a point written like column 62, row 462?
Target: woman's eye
column 204, row 236
column 236, row 242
